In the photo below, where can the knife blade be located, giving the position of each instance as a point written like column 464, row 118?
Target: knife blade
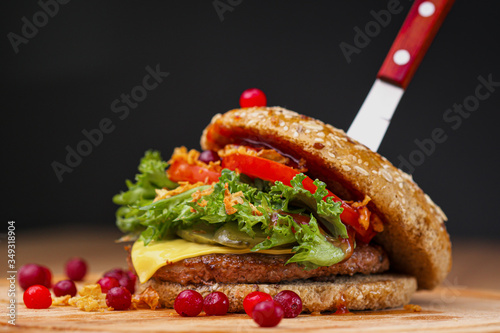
column 404, row 57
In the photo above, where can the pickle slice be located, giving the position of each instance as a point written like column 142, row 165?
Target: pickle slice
column 230, row 235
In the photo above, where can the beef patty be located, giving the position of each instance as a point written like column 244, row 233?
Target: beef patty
column 265, row 268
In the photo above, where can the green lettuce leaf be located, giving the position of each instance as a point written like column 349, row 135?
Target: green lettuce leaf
column 314, row 249
column 280, row 235
column 152, row 176
column 328, row 212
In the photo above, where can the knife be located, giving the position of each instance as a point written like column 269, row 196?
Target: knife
column 404, row 57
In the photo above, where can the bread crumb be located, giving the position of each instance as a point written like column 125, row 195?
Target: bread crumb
column 413, row 308
column 62, row 300
column 91, row 299
column 149, row 298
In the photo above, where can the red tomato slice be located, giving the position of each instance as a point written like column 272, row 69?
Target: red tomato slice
column 183, row 171
column 262, row 168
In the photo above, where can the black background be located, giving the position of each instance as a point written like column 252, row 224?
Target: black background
column 65, row 78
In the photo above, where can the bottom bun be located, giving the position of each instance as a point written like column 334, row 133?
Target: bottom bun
column 358, row 292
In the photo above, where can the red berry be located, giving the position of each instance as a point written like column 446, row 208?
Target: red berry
column 254, row 298
column 208, row 156
column 65, row 287
column 76, row 269
column 126, row 282
column 48, row 277
column 116, row 273
column 216, row 304
column 37, row 297
column 32, row 274
column 253, row 97
column 108, row 283
column 119, row 298
column 188, row 303
column 291, row 303
column 268, row 313
column 132, row 276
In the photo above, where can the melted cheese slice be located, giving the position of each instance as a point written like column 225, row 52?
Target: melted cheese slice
column 148, row 259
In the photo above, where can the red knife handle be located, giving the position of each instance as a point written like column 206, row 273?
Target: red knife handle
column 413, row 40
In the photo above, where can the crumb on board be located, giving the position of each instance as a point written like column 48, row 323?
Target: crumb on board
column 149, row 298
column 91, row 299
column 413, row 308
column 62, row 300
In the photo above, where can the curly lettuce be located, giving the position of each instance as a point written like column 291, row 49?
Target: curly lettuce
column 152, row 176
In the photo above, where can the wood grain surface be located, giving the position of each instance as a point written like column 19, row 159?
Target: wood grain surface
column 461, row 304
column 446, row 309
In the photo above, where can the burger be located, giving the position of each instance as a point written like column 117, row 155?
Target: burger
column 280, row 201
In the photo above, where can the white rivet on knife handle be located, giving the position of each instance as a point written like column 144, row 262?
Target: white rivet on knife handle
column 401, row 57
column 426, row 9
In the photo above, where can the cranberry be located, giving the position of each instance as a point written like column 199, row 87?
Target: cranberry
column 65, row 287
column 208, row 156
column 188, row 303
column 252, row 97
column 268, row 313
column 291, row 303
column 32, row 274
column 76, row 269
column 108, row 283
column 48, row 277
column 116, row 273
column 37, row 297
column 132, row 276
column 119, row 298
column 126, row 282
column 216, row 304
column 253, row 298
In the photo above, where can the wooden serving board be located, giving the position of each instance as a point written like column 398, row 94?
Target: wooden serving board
column 446, row 309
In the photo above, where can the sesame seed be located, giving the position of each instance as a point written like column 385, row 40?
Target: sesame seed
column 319, row 140
column 346, row 168
column 285, row 128
column 307, row 131
column 361, row 170
column 384, row 173
column 400, row 185
column 428, row 199
column 295, row 134
column 332, row 155
column 312, row 125
column 321, row 134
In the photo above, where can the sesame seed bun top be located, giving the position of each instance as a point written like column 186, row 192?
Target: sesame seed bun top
column 414, row 235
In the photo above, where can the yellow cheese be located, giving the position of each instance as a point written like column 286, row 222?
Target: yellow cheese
column 148, row 259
